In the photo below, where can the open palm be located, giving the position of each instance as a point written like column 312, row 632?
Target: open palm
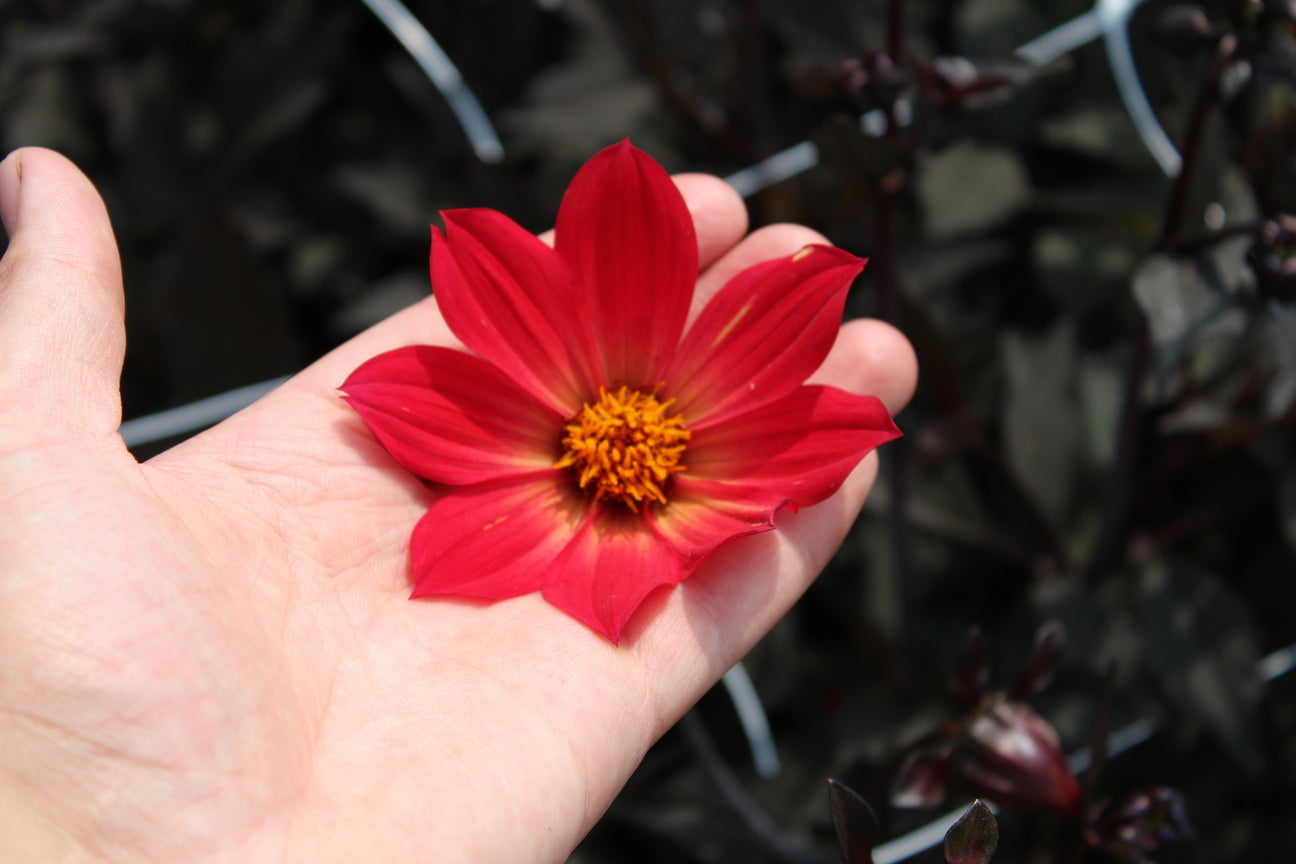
column 212, row 657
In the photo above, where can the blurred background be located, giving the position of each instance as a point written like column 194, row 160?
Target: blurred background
column 1102, row 441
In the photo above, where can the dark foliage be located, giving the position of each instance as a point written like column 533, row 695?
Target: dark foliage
column 974, row 837
column 1103, row 430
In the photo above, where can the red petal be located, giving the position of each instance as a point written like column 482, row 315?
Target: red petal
column 509, row 298
column 451, row 417
column 494, row 540
column 609, row 568
column 762, row 335
column 801, row 446
column 703, row 514
column 627, row 236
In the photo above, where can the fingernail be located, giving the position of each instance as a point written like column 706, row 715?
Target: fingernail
column 9, row 184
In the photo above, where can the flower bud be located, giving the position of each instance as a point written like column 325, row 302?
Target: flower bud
column 1273, row 257
column 886, row 79
column 1144, row 821
column 1012, row 755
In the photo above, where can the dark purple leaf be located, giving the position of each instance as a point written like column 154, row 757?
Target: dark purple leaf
column 973, row 838
column 855, row 823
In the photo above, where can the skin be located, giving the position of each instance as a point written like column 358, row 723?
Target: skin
column 211, row 656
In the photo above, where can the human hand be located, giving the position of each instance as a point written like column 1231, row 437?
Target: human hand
column 212, row 657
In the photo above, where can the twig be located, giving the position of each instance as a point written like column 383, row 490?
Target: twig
column 1062, row 39
column 1176, row 207
column 188, row 418
column 1113, row 16
column 883, row 269
column 1197, row 520
column 1211, row 238
column 1110, row 20
column 748, row 809
column 976, row 534
column 751, row 714
column 1118, row 498
column 753, row 109
column 443, row 74
column 1098, row 748
column 643, row 37
column 895, row 30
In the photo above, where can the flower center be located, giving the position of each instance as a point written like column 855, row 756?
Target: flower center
column 625, row 447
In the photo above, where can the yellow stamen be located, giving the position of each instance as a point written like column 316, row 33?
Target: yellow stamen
column 625, row 447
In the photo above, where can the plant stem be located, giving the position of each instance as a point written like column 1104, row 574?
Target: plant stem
column 1204, row 241
column 755, row 125
column 1118, row 498
column 1176, row 208
column 789, row 848
column 883, row 264
column 895, row 30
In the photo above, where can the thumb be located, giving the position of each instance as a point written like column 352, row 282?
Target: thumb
column 62, row 330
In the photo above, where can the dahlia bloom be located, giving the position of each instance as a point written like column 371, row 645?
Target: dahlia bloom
column 590, row 446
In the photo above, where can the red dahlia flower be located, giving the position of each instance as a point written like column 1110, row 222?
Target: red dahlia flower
column 590, row 448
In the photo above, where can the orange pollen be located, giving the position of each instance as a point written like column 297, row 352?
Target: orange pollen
column 625, row 447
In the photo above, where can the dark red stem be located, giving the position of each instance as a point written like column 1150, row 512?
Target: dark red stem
column 1119, row 496
column 1176, row 208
